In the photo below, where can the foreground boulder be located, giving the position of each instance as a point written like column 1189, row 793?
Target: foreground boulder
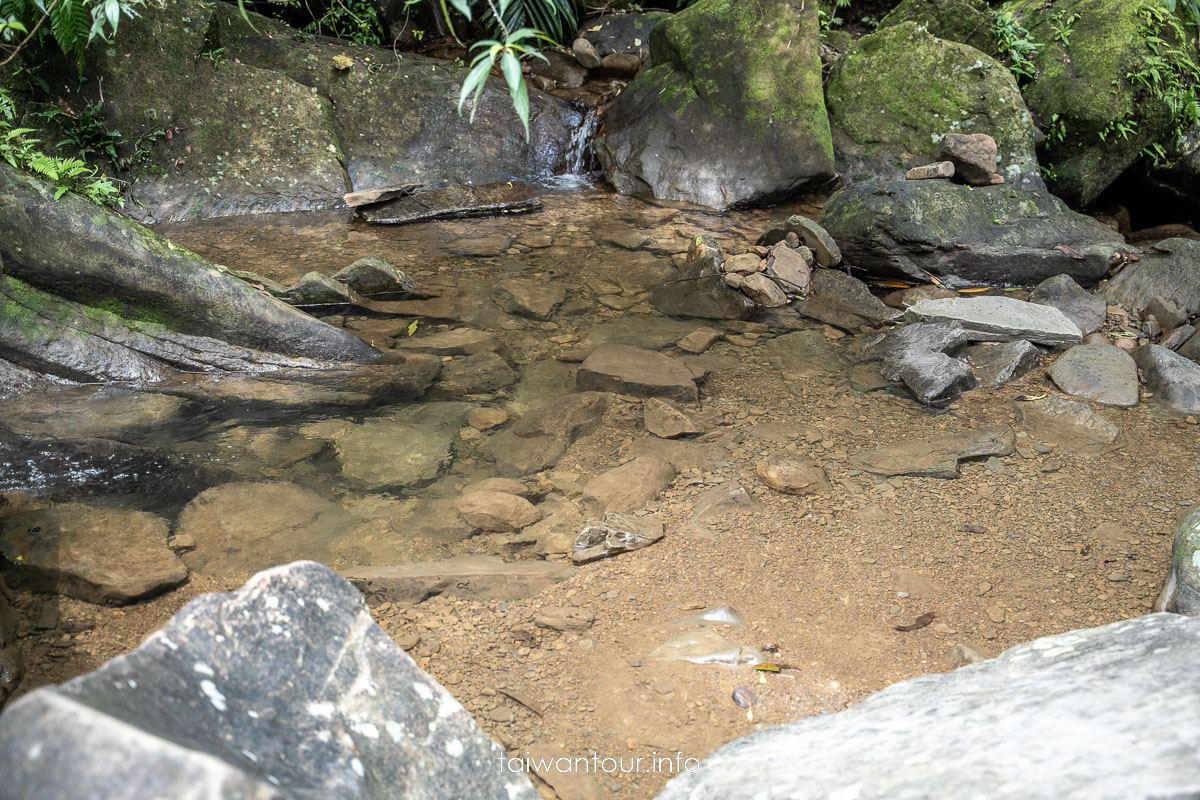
column 731, row 114
column 895, row 93
column 285, row 688
column 997, row 234
column 174, row 303
column 1027, row 710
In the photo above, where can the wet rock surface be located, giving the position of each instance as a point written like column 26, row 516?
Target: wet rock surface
column 96, row 554
column 642, row 373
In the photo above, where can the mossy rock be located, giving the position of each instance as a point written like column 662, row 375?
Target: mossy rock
column 1183, row 585
column 1084, row 83
column 127, row 277
column 897, row 92
column 963, row 21
column 397, row 119
column 263, row 121
column 622, row 33
column 732, row 112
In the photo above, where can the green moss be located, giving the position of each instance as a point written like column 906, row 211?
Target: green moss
column 894, row 95
column 1084, row 81
column 775, row 49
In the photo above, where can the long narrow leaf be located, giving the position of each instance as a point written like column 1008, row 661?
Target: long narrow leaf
column 475, row 78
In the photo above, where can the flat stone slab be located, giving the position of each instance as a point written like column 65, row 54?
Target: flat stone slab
column 1031, row 712
column 937, row 457
column 454, row 202
column 469, row 577
column 1173, row 379
column 999, row 319
column 284, row 689
column 1074, row 426
column 382, row 453
column 366, row 197
column 641, row 373
column 102, row 555
column 1098, row 372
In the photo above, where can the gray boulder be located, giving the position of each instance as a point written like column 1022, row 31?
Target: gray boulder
column 1082, row 307
column 999, row 319
column 285, row 688
column 1031, row 711
column 372, row 275
column 1098, row 372
column 918, row 337
column 732, row 112
column 1170, row 270
column 991, row 234
column 844, row 301
column 935, row 379
column 1173, row 379
column 997, row 364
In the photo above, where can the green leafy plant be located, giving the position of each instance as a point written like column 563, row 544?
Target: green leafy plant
column 508, row 54
column 72, row 24
column 1015, row 44
column 1063, row 26
column 20, row 151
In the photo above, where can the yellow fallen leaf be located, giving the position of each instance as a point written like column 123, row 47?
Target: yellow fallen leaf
column 343, row 62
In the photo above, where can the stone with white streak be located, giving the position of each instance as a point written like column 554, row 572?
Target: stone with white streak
column 284, row 689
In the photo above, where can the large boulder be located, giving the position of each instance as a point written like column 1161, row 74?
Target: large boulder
column 1032, row 713
column 267, row 122
column 994, row 234
column 94, row 257
column 1170, row 270
column 285, row 688
column 964, row 21
column 732, row 112
column 1099, row 114
column 896, row 92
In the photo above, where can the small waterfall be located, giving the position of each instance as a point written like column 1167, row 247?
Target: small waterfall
column 580, row 156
